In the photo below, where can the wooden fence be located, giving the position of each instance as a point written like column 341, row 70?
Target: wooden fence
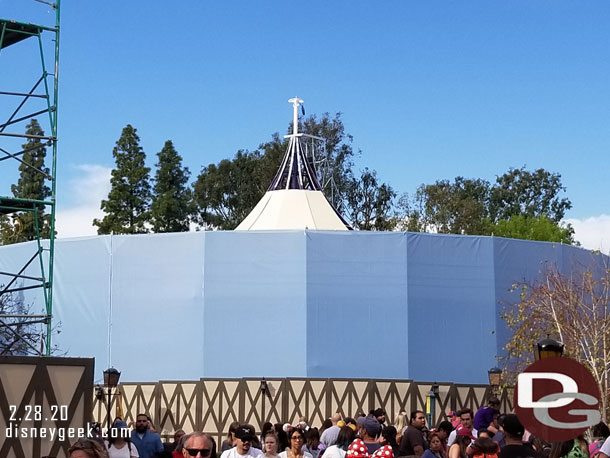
column 43, row 394
column 211, row 405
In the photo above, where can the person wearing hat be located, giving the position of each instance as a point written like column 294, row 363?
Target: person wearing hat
column 465, row 422
column 454, row 418
column 244, row 435
column 369, row 429
column 463, row 439
column 513, row 436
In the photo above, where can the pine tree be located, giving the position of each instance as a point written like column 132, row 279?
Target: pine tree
column 128, row 206
column 20, row 227
column 171, row 207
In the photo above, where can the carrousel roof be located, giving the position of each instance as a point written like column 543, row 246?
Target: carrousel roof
column 294, row 199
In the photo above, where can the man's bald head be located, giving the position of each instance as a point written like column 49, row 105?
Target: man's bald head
column 198, row 441
column 336, row 418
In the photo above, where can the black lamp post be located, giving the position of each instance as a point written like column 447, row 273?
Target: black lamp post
column 495, row 378
column 547, row 348
column 111, row 380
column 264, row 387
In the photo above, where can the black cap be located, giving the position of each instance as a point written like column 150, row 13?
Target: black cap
column 244, row 432
column 512, row 425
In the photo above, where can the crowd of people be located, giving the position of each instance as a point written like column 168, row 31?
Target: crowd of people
column 485, row 433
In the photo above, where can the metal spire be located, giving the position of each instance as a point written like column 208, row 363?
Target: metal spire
column 297, row 170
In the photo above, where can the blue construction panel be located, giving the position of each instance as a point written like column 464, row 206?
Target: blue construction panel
column 157, row 306
column 290, row 303
column 357, row 305
column 451, row 307
column 518, row 261
column 81, row 293
column 255, row 320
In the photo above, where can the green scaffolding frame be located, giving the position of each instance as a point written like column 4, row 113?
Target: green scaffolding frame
column 11, row 33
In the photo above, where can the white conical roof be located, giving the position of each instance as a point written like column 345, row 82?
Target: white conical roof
column 292, row 209
column 294, row 199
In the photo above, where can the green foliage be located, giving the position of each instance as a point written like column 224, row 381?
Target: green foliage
column 534, row 228
column 458, row 207
column 335, row 165
column 226, row 192
column 128, row 203
column 531, row 194
column 370, row 203
column 520, row 204
column 171, row 205
column 21, row 227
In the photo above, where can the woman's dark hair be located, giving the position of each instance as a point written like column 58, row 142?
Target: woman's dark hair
column 485, row 445
column 445, row 426
column 115, row 434
column 463, row 442
column 282, row 437
column 600, row 430
column 232, row 428
column 327, row 424
column 267, row 426
column 312, row 438
column 345, row 438
column 350, row 421
column 485, row 431
column 559, row 449
column 389, row 433
column 296, row 430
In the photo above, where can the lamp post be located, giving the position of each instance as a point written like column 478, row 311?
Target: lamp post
column 495, row 379
column 431, row 403
column 111, row 380
column 547, row 348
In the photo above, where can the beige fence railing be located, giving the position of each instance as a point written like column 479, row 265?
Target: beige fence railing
column 43, row 395
column 211, row 405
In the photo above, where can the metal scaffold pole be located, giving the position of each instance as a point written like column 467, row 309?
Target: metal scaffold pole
column 27, row 218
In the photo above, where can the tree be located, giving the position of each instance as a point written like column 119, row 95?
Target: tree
column 534, row 228
column 128, row 203
column 226, row 192
column 520, row 204
column 19, row 336
column 458, row 207
column 531, row 194
column 575, row 307
column 21, row 227
column 171, row 204
column 370, row 203
column 335, row 164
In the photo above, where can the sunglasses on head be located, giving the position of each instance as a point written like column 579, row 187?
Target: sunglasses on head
column 194, row 451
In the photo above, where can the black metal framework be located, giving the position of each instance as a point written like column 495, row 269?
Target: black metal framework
column 39, row 101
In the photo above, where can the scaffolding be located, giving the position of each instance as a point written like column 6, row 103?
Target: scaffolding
column 41, row 100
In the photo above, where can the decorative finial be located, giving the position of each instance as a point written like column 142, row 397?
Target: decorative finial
column 295, row 113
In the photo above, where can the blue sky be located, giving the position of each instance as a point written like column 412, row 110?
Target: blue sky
column 429, row 89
